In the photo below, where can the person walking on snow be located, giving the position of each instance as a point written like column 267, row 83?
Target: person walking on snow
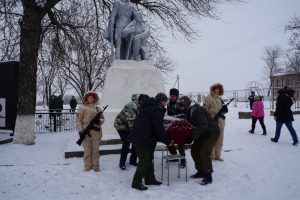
column 258, row 114
column 284, row 115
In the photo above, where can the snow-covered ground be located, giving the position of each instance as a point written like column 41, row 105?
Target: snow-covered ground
column 253, row 168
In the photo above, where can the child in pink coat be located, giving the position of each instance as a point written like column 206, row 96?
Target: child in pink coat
column 258, row 114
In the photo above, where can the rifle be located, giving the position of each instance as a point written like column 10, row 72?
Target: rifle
column 223, row 110
column 86, row 131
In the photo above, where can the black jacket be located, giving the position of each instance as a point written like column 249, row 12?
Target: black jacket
column 204, row 124
column 73, row 103
column 283, row 110
column 148, row 127
column 172, row 108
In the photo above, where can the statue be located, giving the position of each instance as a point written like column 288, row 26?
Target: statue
column 137, row 33
column 121, row 15
column 127, row 33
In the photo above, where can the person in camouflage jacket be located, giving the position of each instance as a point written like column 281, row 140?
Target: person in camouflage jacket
column 124, row 123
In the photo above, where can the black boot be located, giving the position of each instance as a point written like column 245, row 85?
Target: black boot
column 207, row 179
column 264, row 133
column 296, row 142
column 139, row 187
column 273, row 140
column 182, row 163
column 122, row 166
column 155, row 182
column 251, row 131
column 197, row 175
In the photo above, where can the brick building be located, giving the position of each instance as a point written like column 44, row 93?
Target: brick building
column 292, row 80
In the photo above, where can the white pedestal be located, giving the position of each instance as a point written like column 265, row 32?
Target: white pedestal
column 124, row 78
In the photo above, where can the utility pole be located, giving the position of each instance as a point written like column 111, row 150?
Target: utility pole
column 178, row 82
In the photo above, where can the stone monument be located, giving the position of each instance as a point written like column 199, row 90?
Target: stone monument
column 132, row 71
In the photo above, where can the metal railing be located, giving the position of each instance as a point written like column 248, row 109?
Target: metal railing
column 55, row 120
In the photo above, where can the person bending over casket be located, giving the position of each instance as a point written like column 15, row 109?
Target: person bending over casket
column 204, row 135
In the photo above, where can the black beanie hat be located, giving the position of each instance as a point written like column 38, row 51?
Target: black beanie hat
column 161, row 97
column 174, row 91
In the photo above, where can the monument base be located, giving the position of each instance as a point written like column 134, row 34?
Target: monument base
column 124, row 78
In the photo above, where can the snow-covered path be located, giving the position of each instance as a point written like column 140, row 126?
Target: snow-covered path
column 254, row 168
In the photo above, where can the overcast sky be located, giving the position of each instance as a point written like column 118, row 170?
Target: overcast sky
column 230, row 50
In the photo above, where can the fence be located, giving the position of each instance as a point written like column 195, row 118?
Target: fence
column 241, row 96
column 54, row 120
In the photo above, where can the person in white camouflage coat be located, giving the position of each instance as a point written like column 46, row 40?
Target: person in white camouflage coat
column 124, row 123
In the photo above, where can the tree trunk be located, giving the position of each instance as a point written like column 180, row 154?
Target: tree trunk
column 29, row 46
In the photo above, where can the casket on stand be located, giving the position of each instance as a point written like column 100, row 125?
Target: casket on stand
column 178, row 129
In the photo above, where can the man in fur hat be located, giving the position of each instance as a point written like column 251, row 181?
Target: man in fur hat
column 213, row 104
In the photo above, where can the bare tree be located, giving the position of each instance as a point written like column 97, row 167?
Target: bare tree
column 272, row 64
column 293, row 55
column 294, row 28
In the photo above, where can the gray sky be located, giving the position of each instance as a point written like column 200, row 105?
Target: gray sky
column 230, row 50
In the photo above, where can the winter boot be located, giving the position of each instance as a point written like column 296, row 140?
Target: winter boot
column 207, row 179
column 122, row 166
column 197, row 175
column 264, row 133
column 273, row 140
column 251, row 131
column 182, row 163
column 139, row 187
column 296, row 142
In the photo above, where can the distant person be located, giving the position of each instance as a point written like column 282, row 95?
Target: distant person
column 73, row 104
column 86, row 113
column 284, row 115
column 124, row 123
column 205, row 136
column 213, row 104
column 258, row 114
column 251, row 99
column 148, row 129
column 173, row 110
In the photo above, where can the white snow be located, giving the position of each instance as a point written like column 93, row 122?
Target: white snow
column 253, row 168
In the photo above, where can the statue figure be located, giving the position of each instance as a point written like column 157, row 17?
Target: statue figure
column 122, row 14
column 137, row 33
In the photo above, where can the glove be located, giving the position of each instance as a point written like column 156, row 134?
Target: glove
column 189, row 140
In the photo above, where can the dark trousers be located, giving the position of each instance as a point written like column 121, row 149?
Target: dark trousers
column 261, row 121
column 289, row 126
column 201, row 153
column 172, row 149
column 125, row 148
column 145, row 167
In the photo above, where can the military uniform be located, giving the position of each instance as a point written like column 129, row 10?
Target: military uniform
column 123, row 124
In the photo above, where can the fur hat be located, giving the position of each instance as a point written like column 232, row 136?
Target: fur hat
column 161, row 97
column 91, row 93
column 219, row 86
column 174, row 91
column 185, row 101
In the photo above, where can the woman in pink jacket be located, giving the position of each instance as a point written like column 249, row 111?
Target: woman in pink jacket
column 258, row 114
